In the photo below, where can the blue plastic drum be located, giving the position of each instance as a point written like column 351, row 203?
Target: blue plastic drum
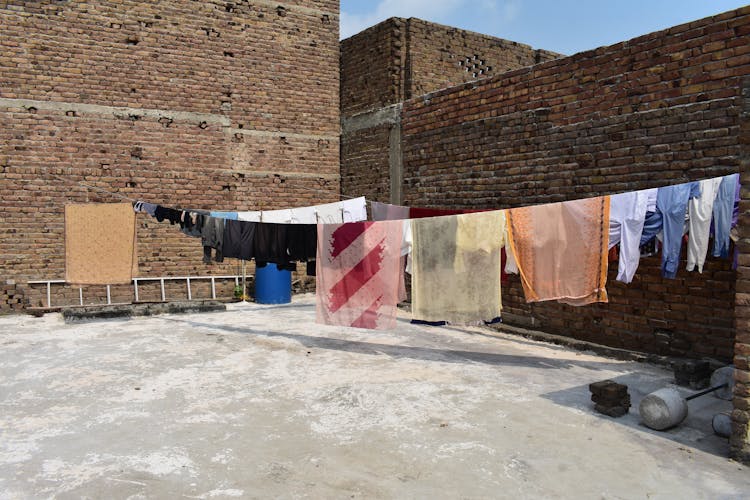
column 272, row 286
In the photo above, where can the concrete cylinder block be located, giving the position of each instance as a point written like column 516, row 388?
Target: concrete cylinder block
column 663, row 409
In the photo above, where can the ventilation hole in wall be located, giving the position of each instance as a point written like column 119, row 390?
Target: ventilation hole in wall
column 71, row 113
column 104, row 166
column 229, row 7
column 31, row 109
column 238, row 137
column 166, row 121
column 228, row 53
column 283, row 140
column 240, row 125
column 203, row 125
column 133, row 91
column 145, row 24
column 323, row 143
column 281, row 11
column 313, row 44
column 277, row 179
column 226, row 187
column 131, row 184
column 326, row 19
column 134, row 118
column 136, row 153
column 460, row 63
column 132, row 40
column 157, row 16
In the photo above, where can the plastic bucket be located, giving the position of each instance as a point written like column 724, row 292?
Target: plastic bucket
column 272, row 286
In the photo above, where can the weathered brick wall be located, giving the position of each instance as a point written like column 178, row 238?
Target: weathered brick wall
column 395, row 60
column 660, row 109
column 441, row 56
column 211, row 104
column 366, row 152
column 372, row 70
column 740, row 440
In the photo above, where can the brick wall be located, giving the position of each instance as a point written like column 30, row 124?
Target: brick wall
column 372, row 73
column 190, row 104
column 656, row 110
column 740, row 440
column 366, row 151
column 393, row 61
column 441, row 56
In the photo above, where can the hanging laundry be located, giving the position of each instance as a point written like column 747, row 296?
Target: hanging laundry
column 672, row 202
column 385, row 211
column 163, row 213
column 304, row 215
column 100, row 244
column 700, row 211
column 191, row 223
column 456, row 267
column 331, row 213
column 357, row 273
column 212, row 238
column 142, row 206
column 561, row 250
column 239, row 238
column 276, row 216
column 723, row 212
column 627, row 214
column 302, row 242
column 224, row 215
column 355, row 209
column 249, row 216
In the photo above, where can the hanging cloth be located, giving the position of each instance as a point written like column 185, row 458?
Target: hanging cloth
column 627, row 215
column 672, row 202
column 357, row 274
column 385, row 211
column 700, row 211
column 354, row 210
column 456, row 267
column 723, row 212
column 100, row 244
column 561, row 250
column 249, row 215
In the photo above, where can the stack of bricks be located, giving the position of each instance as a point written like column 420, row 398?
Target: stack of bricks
column 610, row 398
column 11, row 298
column 692, row 373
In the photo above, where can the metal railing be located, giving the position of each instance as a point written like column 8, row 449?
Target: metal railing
column 136, row 281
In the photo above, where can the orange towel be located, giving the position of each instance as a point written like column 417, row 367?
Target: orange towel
column 100, row 244
column 561, row 250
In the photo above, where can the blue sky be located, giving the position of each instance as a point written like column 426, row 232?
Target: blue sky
column 562, row 26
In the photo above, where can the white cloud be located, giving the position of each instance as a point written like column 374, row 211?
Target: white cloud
column 441, row 11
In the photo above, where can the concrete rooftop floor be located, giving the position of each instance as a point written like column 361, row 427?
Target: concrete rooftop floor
column 260, row 401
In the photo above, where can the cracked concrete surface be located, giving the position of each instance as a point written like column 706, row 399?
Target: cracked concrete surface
column 259, row 401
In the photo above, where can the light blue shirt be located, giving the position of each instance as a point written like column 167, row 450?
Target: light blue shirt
column 672, row 202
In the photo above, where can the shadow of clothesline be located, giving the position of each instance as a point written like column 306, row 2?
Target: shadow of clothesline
column 411, row 352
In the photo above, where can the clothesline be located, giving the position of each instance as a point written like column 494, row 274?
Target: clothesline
column 559, row 249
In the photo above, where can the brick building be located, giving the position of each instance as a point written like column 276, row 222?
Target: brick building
column 397, row 60
column 213, row 104
column 663, row 108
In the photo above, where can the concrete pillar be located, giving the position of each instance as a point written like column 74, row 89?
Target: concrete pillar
column 740, row 439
